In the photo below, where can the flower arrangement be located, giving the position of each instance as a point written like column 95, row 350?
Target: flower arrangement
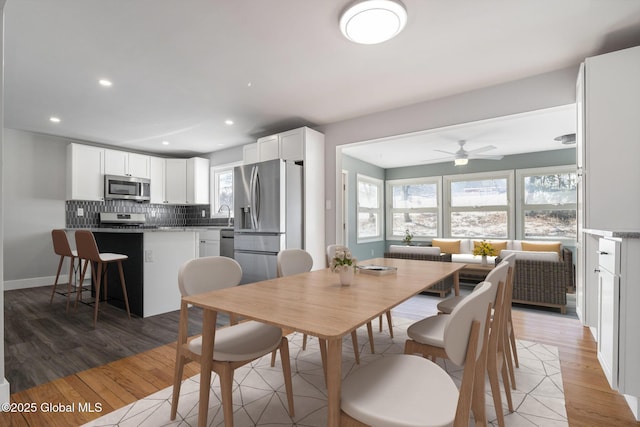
column 342, row 260
column 407, row 236
column 484, row 248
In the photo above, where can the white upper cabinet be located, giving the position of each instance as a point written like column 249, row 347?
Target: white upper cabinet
column 250, row 153
column 197, row 181
column 175, row 186
column 157, row 165
column 85, row 172
column 611, row 135
column 127, row 164
column 288, row 146
column 268, row 148
column 186, row 181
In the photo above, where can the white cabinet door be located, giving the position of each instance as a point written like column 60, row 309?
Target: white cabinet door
column 250, row 153
column 268, row 148
column 139, row 165
column 198, row 181
column 126, row 164
column 175, row 186
column 85, row 172
column 609, row 296
column 292, row 145
column 157, row 176
column 115, row 162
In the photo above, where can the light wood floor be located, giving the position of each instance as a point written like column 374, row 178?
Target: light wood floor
column 589, row 400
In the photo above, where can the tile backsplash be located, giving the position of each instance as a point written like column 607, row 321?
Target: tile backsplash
column 157, row 214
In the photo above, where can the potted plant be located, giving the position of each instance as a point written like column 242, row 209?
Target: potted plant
column 344, row 264
column 407, row 237
column 484, row 249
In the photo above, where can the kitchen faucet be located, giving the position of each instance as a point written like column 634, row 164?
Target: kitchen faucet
column 229, row 214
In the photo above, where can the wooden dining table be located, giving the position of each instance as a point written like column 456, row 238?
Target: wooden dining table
column 315, row 303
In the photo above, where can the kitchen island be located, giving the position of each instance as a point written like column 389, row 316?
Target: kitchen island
column 151, row 272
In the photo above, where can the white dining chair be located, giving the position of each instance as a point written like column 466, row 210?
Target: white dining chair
column 296, row 261
column 426, row 337
column 235, row 345
column 408, row 390
column 331, row 251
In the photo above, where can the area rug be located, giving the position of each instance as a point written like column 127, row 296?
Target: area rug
column 260, row 400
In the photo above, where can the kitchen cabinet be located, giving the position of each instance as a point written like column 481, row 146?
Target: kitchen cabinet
column 288, row 145
column 608, row 106
column 618, row 317
column 85, row 172
column 197, row 181
column 175, row 182
column 157, row 176
column 186, row 181
column 127, row 164
column 209, row 243
column 250, row 153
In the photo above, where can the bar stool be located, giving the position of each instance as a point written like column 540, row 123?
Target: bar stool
column 61, row 247
column 88, row 251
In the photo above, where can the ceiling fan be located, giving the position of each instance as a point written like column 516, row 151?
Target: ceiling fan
column 462, row 156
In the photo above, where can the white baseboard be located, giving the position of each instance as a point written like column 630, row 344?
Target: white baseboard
column 5, row 392
column 634, row 404
column 33, row 282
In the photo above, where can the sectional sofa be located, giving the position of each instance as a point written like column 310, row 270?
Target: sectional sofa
column 544, row 270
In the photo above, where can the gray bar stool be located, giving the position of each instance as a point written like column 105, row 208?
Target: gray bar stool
column 88, row 250
column 61, row 247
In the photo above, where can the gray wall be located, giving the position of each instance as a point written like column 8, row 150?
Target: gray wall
column 34, row 172
column 354, row 167
column 538, row 92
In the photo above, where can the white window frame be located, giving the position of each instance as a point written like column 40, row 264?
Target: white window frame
column 390, row 210
column 379, row 209
column 213, row 188
column 509, row 208
column 521, row 207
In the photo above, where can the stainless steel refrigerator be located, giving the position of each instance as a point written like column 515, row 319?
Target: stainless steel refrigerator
column 268, row 215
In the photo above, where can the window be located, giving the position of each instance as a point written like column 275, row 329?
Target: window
column 549, row 203
column 370, row 214
column 221, row 190
column 413, row 204
column 478, row 205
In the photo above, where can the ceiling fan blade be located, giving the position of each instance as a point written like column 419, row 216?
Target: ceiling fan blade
column 482, row 149
column 446, row 152
column 485, row 157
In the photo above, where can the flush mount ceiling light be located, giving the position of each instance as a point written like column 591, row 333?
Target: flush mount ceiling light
column 105, row 82
column 54, row 119
column 373, row 21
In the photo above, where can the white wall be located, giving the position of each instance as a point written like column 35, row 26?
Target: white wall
column 542, row 91
column 34, row 204
column 4, row 384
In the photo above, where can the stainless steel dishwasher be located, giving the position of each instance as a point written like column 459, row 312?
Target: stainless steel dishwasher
column 226, row 243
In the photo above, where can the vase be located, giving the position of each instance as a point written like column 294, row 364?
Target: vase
column 346, row 276
column 484, row 260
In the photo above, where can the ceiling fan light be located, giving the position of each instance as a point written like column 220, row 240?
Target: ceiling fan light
column 373, row 21
column 461, row 162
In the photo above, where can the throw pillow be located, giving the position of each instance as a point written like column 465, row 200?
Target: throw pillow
column 447, row 246
column 542, row 247
column 498, row 245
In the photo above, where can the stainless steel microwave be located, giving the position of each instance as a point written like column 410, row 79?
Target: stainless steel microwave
column 127, row 187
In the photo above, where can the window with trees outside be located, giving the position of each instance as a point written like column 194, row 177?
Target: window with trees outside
column 478, row 205
column 549, row 203
column 221, row 191
column 370, row 213
column 413, row 204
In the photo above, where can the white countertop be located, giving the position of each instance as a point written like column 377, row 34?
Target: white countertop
column 619, row 234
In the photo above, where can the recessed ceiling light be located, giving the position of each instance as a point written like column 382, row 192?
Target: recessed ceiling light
column 54, row 119
column 105, row 82
column 228, row 122
column 249, row 84
column 373, row 21
column 165, row 142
